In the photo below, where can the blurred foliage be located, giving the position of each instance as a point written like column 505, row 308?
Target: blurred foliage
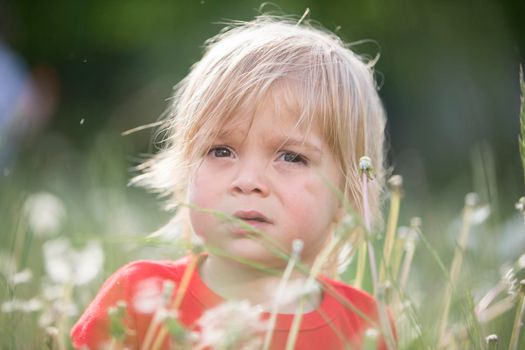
column 447, row 69
column 449, row 79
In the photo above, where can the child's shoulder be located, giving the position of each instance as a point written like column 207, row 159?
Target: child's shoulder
column 347, row 293
column 144, row 269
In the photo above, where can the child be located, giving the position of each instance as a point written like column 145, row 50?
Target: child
column 264, row 138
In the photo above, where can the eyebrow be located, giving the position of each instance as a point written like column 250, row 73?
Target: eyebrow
column 276, row 139
column 300, row 142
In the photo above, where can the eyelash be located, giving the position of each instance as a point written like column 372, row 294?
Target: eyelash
column 213, row 151
column 296, row 158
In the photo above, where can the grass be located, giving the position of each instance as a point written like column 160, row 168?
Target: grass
column 437, row 265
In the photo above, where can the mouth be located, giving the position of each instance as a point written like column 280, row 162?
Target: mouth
column 252, row 217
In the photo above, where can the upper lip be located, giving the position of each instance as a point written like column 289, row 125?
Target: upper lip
column 251, row 215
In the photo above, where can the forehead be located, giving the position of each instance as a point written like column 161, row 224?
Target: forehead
column 281, row 104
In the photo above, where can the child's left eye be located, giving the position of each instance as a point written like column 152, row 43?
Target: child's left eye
column 293, row 157
column 220, row 152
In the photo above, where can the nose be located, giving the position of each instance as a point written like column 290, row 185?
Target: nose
column 250, row 178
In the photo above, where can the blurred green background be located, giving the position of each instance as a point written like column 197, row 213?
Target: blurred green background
column 448, row 72
column 83, row 72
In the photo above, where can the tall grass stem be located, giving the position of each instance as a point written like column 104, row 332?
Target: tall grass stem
column 516, row 328
column 470, row 202
column 366, row 171
column 395, row 200
column 297, row 247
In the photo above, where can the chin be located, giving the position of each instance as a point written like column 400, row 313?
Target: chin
column 257, row 255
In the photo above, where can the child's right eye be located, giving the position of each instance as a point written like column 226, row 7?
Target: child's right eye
column 220, row 152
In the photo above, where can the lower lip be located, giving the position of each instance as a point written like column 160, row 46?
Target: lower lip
column 257, row 225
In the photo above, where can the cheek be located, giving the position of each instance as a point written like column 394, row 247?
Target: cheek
column 200, row 187
column 313, row 202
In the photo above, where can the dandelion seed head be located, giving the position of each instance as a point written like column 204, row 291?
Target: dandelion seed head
column 45, row 213
column 395, row 182
column 521, row 261
column 52, row 331
column 9, row 306
column 480, row 214
column 295, row 290
column 21, row 277
column 26, row 306
column 372, row 333
column 471, row 199
column 148, row 296
column 366, row 167
column 32, row 305
column 65, row 264
column 164, row 314
column 522, row 287
column 520, row 205
column 510, row 281
column 197, row 245
column 230, row 325
column 57, row 310
column 491, row 339
column 416, row 222
column 297, row 248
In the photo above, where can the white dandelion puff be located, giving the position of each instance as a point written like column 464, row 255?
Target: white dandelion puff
column 32, row 305
column 10, row 306
column 45, row 213
column 26, row 306
column 521, row 261
column 510, row 281
column 53, row 292
column 231, row 325
column 67, row 265
column 480, row 214
column 21, row 277
column 55, row 311
column 296, row 290
column 152, row 294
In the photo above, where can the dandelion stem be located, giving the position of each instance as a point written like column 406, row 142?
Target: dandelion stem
column 410, row 248
column 366, row 170
column 516, row 328
column 315, row 270
column 470, row 202
column 296, row 251
column 393, row 217
column 496, row 310
column 522, row 121
column 181, row 291
column 361, row 265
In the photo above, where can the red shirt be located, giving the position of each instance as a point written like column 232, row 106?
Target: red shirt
column 334, row 325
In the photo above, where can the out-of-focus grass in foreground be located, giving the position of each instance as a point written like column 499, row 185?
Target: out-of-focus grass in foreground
column 68, row 220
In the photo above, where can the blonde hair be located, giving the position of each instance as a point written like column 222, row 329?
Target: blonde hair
column 331, row 85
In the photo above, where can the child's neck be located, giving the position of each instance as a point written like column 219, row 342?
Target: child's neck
column 235, row 281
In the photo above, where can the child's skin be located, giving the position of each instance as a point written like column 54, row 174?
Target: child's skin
column 273, row 173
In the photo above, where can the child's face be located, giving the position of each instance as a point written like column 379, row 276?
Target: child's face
column 272, row 174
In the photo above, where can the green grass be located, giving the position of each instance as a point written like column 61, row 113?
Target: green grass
column 460, row 256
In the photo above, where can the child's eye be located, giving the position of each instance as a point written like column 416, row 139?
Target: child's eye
column 220, row 152
column 293, row 157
